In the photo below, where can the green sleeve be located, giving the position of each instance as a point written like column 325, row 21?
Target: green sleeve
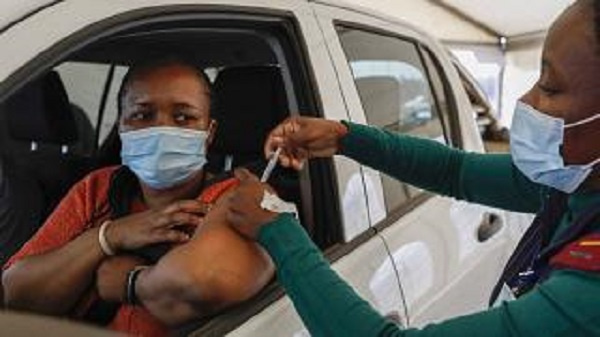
column 565, row 305
column 489, row 179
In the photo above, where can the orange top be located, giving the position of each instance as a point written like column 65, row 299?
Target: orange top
column 72, row 217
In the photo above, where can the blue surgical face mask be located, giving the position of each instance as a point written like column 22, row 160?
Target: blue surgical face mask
column 535, row 143
column 162, row 157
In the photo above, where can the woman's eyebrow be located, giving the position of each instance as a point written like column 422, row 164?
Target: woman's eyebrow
column 185, row 105
column 142, row 104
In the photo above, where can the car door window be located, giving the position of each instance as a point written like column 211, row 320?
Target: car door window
column 396, row 93
column 85, row 83
column 238, row 52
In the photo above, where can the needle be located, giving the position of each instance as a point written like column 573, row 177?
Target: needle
column 270, row 166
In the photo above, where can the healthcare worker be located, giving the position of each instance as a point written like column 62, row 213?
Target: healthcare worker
column 553, row 170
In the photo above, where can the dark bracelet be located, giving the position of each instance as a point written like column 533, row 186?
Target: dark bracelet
column 130, row 295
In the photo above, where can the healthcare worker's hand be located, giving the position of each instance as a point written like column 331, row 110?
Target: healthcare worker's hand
column 244, row 213
column 302, row 138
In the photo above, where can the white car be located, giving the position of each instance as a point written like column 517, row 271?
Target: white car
column 416, row 257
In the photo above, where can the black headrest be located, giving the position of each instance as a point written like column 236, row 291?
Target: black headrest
column 250, row 101
column 41, row 112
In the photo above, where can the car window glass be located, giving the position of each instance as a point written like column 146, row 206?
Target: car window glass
column 266, row 53
column 85, row 85
column 395, row 92
column 109, row 115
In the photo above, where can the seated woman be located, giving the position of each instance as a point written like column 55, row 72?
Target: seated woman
column 84, row 263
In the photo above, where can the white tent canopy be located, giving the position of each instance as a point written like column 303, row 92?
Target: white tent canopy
column 510, row 18
column 473, row 20
column 512, row 29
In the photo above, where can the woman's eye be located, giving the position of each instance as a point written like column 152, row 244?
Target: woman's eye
column 547, row 90
column 183, row 117
column 180, row 118
column 139, row 116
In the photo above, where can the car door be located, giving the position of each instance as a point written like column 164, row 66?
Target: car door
column 360, row 257
column 83, row 22
column 447, row 253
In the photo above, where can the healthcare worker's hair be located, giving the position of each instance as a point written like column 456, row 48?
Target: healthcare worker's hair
column 147, row 65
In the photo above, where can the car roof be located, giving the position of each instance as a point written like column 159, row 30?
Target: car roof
column 12, row 11
column 370, row 12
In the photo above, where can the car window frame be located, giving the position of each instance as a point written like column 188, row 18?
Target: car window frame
column 455, row 138
column 452, row 132
column 320, row 174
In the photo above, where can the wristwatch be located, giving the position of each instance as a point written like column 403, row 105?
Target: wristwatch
column 271, row 202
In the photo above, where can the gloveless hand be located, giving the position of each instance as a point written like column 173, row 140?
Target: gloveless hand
column 156, row 226
column 302, row 138
column 244, row 213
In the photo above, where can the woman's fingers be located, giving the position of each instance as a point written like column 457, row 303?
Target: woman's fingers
column 167, row 235
column 188, row 206
column 171, row 220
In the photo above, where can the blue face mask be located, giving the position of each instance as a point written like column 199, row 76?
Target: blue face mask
column 535, row 142
column 162, row 157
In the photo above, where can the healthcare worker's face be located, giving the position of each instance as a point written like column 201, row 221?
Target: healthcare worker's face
column 171, row 95
column 569, row 83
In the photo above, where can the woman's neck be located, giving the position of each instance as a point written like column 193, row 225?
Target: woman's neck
column 190, row 189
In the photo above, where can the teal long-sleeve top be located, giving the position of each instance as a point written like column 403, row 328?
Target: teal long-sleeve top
column 566, row 304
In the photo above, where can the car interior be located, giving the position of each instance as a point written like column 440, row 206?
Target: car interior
column 50, row 139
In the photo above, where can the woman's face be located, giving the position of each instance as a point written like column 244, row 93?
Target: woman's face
column 171, row 95
column 569, row 83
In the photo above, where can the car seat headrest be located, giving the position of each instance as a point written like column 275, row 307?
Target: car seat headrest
column 250, row 102
column 41, row 112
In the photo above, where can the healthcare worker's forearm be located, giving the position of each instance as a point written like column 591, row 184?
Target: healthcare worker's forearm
column 565, row 305
column 483, row 178
column 327, row 305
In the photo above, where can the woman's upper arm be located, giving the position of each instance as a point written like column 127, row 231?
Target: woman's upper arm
column 218, row 257
column 217, row 268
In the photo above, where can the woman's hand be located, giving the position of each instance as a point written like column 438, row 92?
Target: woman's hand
column 302, row 138
column 111, row 277
column 243, row 206
column 156, row 226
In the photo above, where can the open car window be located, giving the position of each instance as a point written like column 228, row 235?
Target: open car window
column 256, row 65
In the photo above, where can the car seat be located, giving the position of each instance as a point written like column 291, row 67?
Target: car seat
column 39, row 166
column 249, row 102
